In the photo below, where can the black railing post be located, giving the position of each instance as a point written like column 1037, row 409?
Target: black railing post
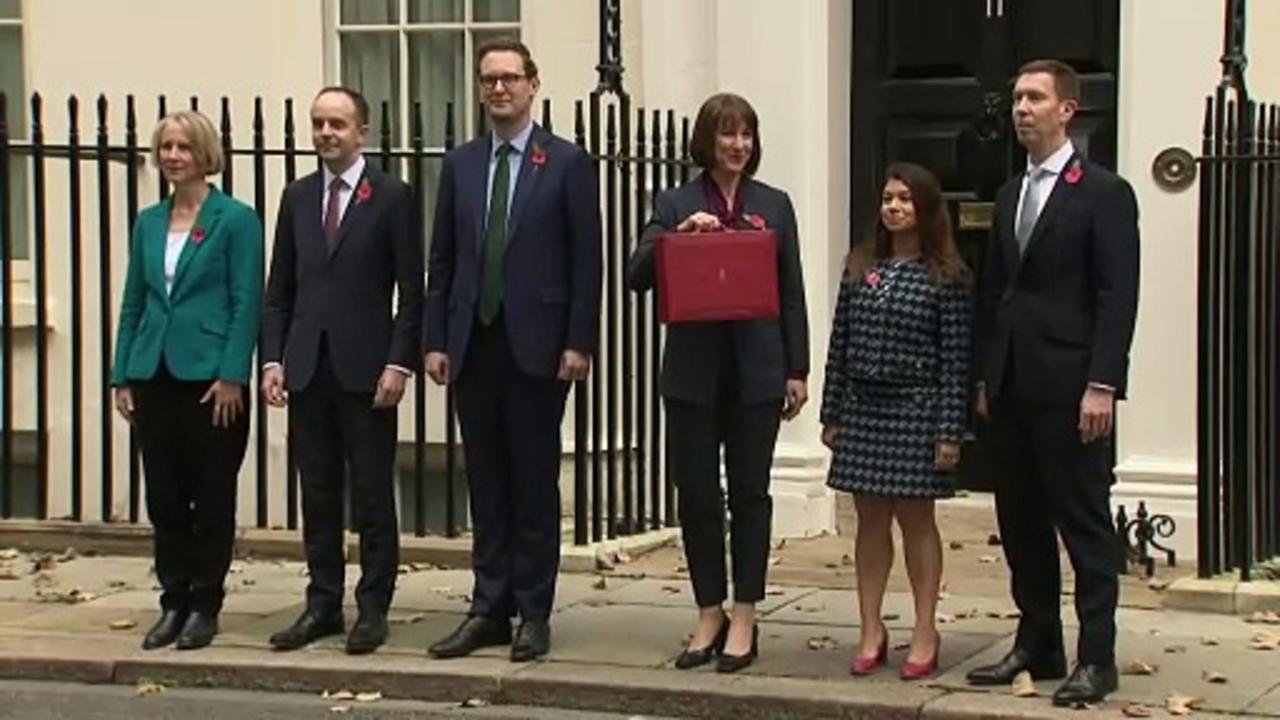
column 6, row 318
column 40, row 260
column 262, row 436
column 1207, row 477
column 642, row 345
column 417, row 180
column 450, row 408
column 291, row 462
column 610, row 40
column 106, row 409
column 75, row 231
column 624, row 316
column 581, row 534
column 656, row 469
column 131, row 216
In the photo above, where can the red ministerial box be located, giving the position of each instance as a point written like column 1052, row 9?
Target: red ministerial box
column 709, row 276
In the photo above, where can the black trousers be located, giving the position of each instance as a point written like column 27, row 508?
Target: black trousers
column 1049, row 482
column 340, row 435
column 191, row 469
column 511, row 437
column 748, row 433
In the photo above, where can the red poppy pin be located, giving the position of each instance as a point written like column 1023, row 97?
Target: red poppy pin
column 873, row 279
column 538, row 156
column 364, row 192
column 197, row 236
column 754, row 220
column 1073, row 173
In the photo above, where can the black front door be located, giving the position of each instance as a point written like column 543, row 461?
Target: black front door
column 931, row 84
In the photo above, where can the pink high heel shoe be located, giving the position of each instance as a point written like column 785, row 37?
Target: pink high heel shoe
column 866, row 665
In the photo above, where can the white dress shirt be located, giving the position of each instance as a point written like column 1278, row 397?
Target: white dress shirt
column 1049, row 170
column 351, row 176
column 172, row 251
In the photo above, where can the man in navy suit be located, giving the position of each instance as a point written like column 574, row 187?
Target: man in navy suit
column 512, row 317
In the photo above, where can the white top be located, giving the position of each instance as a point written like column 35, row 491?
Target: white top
column 172, row 251
column 1045, row 174
column 350, row 176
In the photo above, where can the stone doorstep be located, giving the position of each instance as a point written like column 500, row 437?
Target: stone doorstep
column 135, row 541
column 1223, row 594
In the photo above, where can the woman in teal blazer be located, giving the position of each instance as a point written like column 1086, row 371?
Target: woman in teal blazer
column 188, row 326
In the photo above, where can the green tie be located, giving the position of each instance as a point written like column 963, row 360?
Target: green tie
column 495, row 237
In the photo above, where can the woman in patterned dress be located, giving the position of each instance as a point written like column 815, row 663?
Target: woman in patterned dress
column 895, row 402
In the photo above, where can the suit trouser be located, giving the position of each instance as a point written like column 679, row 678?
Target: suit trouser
column 191, row 469
column 511, row 438
column 339, row 434
column 1049, row 480
column 695, row 433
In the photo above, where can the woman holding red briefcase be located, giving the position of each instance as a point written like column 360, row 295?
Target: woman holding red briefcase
column 729, row 378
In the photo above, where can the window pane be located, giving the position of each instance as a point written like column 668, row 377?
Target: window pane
column 437, row 75
column 369, row 12
column 371, row 64
column 496, row 11
column 11, row 86
column 10, row 9
column 427, row 11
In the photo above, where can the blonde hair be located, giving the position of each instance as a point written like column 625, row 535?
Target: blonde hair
column 206, row 149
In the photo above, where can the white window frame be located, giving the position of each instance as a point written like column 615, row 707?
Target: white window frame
column 403, row 29
column 20, row 268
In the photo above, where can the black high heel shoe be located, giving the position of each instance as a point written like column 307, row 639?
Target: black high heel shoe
column 701, row 656
column 733, row 663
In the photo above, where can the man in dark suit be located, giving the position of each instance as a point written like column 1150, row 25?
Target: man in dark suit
column 1058, row 298
column 513, row 307
column 348, row 240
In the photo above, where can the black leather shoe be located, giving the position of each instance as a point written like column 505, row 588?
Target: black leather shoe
column 733, row 663
column 166, row 629
column 533, row 640
column 308, row 628
column 1052, row 667
column 474, row 633
column 1088, row 685
column 695, row 657
column 198, row 631
column 369, row 632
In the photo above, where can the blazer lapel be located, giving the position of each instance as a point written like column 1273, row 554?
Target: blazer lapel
column 1057, row 198
column 356, row 207
column 206, row 223
column 527, row 180
column 154, row 238
column 475, row 185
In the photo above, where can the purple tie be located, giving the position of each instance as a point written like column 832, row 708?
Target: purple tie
column 333, row 211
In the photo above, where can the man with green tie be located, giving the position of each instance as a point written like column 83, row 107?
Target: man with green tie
column 512, row 318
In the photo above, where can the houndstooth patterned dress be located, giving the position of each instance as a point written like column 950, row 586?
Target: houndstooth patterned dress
column 896, row 381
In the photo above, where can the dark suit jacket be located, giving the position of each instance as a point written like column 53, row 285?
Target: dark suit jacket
column 346, row 295
column 552, row 266
column 767, row 351
column 1062, row 313
column 206, row 327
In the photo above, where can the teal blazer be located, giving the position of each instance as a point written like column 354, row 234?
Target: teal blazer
column 207, row 326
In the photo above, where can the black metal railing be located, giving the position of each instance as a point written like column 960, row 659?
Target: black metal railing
column 1238, row 270
column 620, row 484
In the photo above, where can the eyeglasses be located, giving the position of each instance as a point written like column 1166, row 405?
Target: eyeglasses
column 489, row 82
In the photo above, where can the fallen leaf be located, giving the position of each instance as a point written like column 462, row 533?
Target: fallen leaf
column 248, row 582
column 8, row 573
column 671, row 589
column 956, row 545
column 117, row 584
column 679, row 569
column 340, row 709
column 338, row 695
column 903, row 645
column 1265, row 641
column 147, row 689
column 774, row 560
column 475, row 703
column 773, row 590
column 43, row 562
column 1175, row 649
column 235, row 569
column 969, row 614
column 125, row 624
column 993, row 540
column 889, row 617
column 780, row 544
column 407, row 619
column 1159, row 585
column 1268, row 617
column 368, row 697
column 623, row 557
column 604, row 562
column 1004, row 614
column 1137, row 711
column 68, row 555
column 944, row 618
column 1210, row 641
column 1178, row 704
column 600, row 584
column 826, row 642
column 846, row 561
column 1213, row 676
column 1138, row 667
column 421, row 566
column 1023, row 686
column 830, row 566
column 8, row 554
column 987, row 559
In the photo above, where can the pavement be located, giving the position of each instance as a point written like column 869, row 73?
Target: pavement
column 80, row 620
